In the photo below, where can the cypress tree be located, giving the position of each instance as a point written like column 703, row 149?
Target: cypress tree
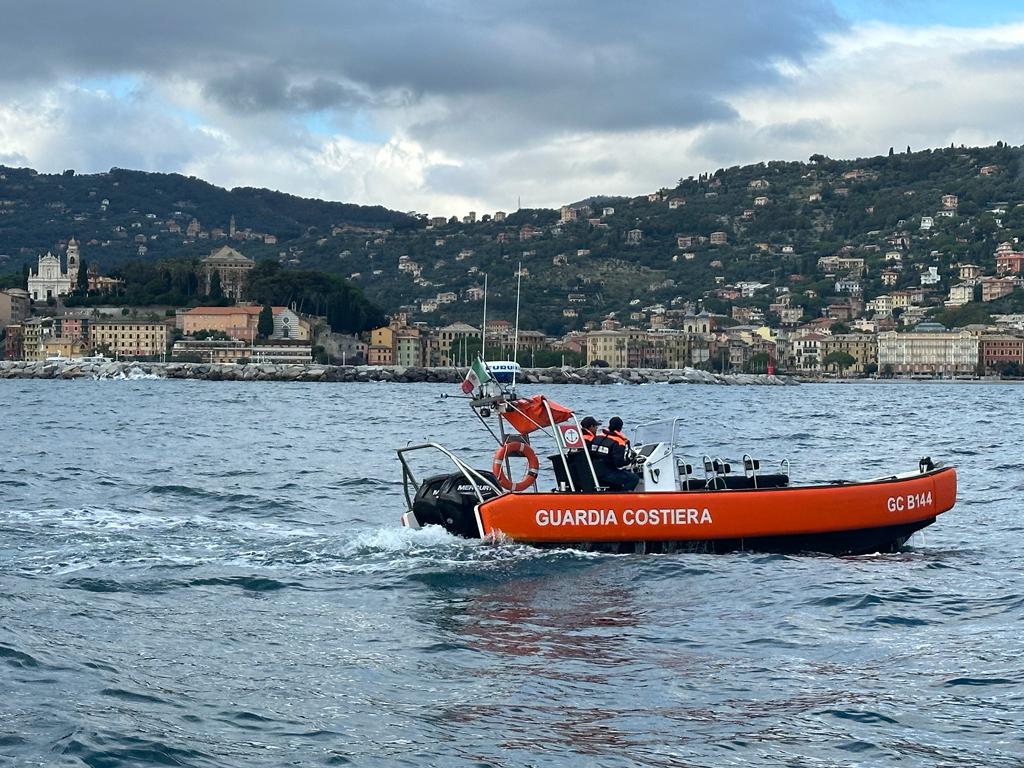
column 82, row 279
column 265, row 324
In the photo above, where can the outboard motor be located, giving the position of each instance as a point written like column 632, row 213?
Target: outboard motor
column 450, row 501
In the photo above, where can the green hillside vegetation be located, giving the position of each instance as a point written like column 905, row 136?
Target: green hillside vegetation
column 865, row 208
column 39, row 210
column 778, row 243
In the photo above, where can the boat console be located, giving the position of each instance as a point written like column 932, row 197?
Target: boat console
column 663, row 467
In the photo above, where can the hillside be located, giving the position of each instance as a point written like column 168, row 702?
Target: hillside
column 604, row 255
column 113, row 213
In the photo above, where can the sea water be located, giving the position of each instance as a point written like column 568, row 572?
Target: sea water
column 213, row 574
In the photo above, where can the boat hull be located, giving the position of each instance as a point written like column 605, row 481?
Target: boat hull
column 849, row 518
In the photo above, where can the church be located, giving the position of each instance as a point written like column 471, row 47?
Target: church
column 48, row 281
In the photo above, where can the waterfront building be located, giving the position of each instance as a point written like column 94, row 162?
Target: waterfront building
column 35, row 333
column 862, row 347
column 805, row 351
column 128, row 338
column 72, row 327
column 15, row 306
column 288, row 326
column 232, row 267
column 13, row 343
column 397, row 343
column 59, row 346
column 243, row 322
column 997, row 350
column 609, row 346
column 236, row 351
column 929, row 351
column 381, row 348
column 235, row 322
column 410, row 349
column 452, row 341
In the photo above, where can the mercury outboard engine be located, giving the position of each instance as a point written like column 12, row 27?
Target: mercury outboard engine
column 450, row 501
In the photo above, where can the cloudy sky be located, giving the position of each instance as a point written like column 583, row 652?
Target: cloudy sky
column 446, row 106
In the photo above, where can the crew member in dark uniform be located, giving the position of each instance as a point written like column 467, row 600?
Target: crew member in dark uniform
column 589, row 427
column 610, row 453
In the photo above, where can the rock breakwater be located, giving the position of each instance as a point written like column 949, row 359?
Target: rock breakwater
column 71, row 369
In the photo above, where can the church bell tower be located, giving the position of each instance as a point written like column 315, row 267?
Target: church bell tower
column 73, row 260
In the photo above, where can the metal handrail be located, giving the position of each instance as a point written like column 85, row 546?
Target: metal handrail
column 472, row 475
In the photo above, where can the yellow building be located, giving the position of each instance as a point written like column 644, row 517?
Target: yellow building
column 128, row 338
column 60, row 346
column 452, row 343
column 609, row 346
column 862, row 347
column 382, row 346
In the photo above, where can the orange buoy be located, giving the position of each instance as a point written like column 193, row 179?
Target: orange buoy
column 515, row 448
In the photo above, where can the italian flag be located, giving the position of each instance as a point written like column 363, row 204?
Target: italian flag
column 478, row 376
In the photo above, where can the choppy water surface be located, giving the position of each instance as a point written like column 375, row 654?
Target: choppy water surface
column 208, row 574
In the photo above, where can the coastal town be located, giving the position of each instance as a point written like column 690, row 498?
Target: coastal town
column 886, row 335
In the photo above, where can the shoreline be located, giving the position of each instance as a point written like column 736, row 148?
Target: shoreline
column 74, row 370
column 311, row 372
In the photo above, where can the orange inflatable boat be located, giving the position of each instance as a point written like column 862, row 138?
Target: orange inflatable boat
column 717, row 506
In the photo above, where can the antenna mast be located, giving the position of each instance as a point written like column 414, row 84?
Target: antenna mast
column 515, row 349
column 483, row 331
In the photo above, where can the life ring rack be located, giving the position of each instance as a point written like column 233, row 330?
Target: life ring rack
column 515, row 447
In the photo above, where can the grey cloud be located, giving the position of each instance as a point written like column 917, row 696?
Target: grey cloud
column 457, row 180
column 806, row 130
column 742, row 142
column 557, row 65
column 269, row 89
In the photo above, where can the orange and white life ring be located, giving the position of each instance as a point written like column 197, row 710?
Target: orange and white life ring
column 515, row 448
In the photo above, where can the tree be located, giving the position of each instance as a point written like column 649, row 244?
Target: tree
column 758, row 362
column 82, row 279
column 216, row 292
column 839, row 328
column 265, row 324
column 841, row 360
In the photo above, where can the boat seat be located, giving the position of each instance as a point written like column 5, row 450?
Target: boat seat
column 582, row 479
column 741, row 482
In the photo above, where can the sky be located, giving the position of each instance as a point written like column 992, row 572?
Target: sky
column 447, row 106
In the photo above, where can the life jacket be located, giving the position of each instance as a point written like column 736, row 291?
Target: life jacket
column 618, row 437
column 588, row 436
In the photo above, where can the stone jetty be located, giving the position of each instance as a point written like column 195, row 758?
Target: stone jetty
column 72, row 369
